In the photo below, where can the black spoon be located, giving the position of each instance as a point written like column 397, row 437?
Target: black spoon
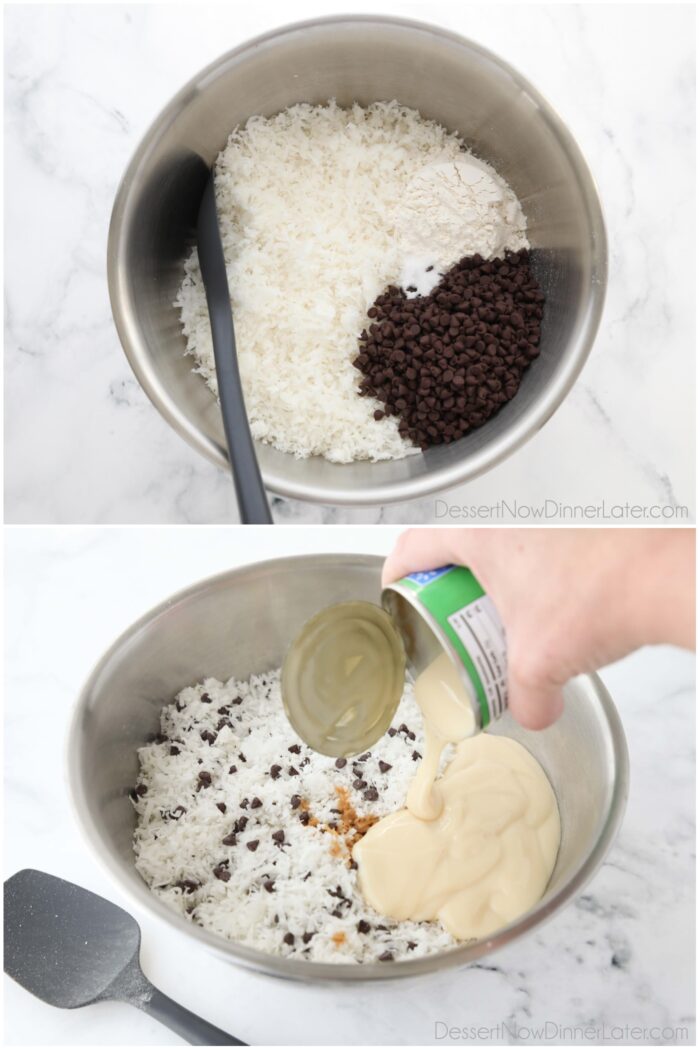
column 250, row 492
column 70, row 948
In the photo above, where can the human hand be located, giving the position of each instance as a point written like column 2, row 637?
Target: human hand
column 571, row 600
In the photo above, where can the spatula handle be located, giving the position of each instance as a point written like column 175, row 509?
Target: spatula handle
column 250, row 492
column 186, row 1024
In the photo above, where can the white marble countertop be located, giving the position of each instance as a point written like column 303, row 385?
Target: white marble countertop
column 622, row 953
column 83, row 444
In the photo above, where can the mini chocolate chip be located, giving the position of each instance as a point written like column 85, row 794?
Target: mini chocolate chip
column 241, row 824
column 410, row 736
column 242, row 757
column 359, row 784
column 371, row 795
column 294, row 749
column 295, row 801
column 275, row 771
column 230, row 840
column 363, row 926
column 384, row 767
column 403, row 728
column 386, row 957
column 416, row 756
column 221, row 806
column 306, row 937
column 141, row 789
column 353, row 865
column 363, row 758
column 187, row 885
column 253, row 845
column 411, row 945
column 256, row 803
column 337, row 913
column 341, row 763
column 293, row 772
column 391, row 731
column 174, row 750
column 178, row 812
column 304, row 817
column 222, row 710
column 233, row 769
column 205, row 698
column 222, row 873
column 207, row 735
column 417, row 359
column 244, row 803
column 278, row 837
column 289, row 938
column 269, row 885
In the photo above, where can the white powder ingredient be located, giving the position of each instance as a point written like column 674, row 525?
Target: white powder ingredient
column 172, row 847
column 307, row 207
column 454, row 209
column 419, row 274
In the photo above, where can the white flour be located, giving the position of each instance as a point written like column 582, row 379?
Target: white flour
column 452, row 209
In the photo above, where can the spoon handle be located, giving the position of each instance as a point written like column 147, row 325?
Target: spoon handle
column 187, row 1025
column 250, row 491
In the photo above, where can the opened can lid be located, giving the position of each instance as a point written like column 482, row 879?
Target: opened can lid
column 343, row 677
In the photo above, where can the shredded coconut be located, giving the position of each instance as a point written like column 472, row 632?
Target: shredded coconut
column 307, row 205
column 228, row 759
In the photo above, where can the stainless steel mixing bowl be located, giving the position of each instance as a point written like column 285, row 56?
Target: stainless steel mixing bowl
column 241, row 623
column 364, row 59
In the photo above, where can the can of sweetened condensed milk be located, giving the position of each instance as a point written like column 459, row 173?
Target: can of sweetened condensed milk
column 447, row 610
column 344, row 673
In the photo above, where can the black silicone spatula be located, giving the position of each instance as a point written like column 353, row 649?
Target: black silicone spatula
column 70, row 948
column 250, row 492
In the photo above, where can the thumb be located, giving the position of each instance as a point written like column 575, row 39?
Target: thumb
column 418, row 550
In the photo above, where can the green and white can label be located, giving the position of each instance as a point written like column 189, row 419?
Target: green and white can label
column 466, row 622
